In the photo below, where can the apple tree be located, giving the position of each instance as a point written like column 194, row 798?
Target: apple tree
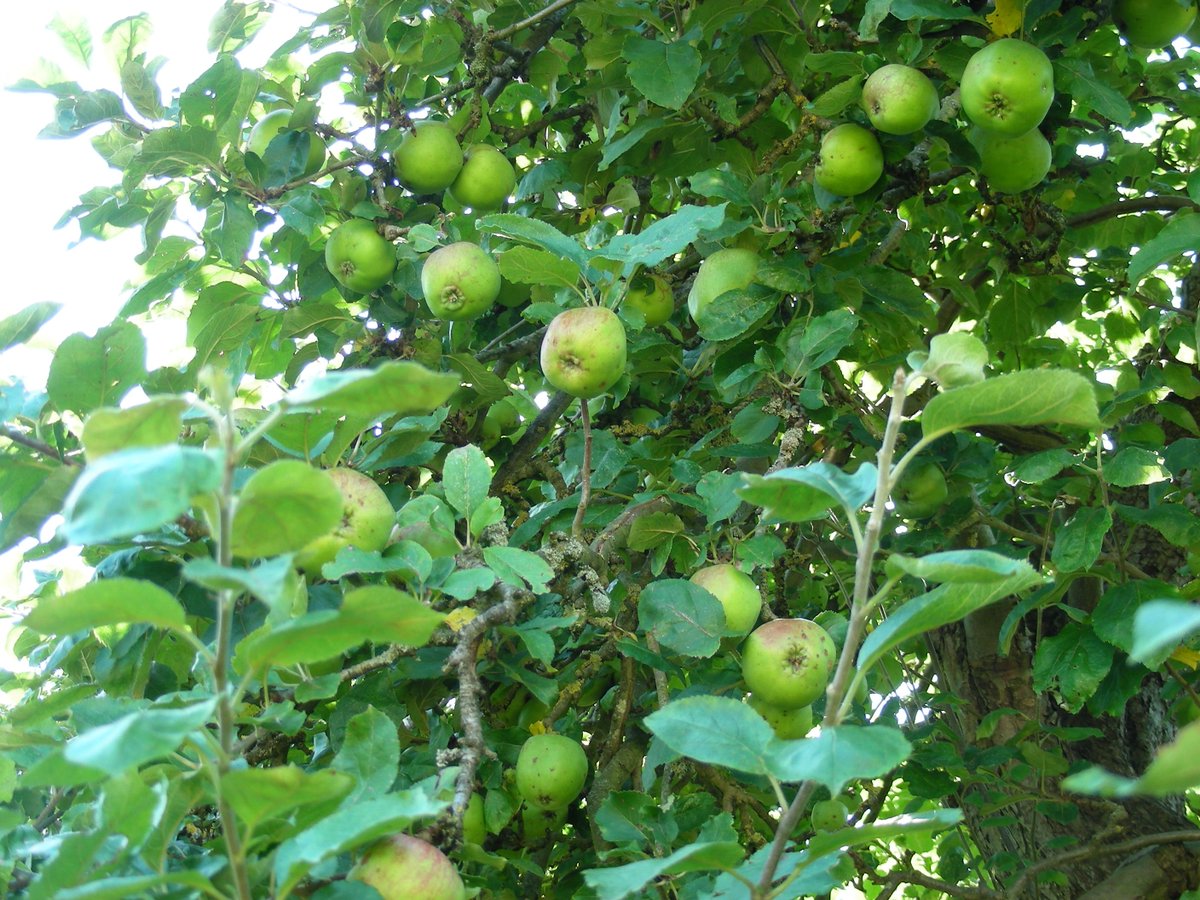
column 714, row 449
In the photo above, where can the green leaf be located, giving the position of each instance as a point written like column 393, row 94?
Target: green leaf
column 1176, row 523
column 1091, row 91
column 1042, row 466
column 809, row 344
column 719, row 490
column 375, row 613
column 664, row 238
column 1074, row 662
column 839, row 755
column 21, row 326
column 1134, row 466
column 1159, row 626
column 665, row 73
column 1174, row 769
column 954, row 360
column 808, row 492
column 138, row 737
column 1180, row 235
column 112, row 601
column 370, row 754
column 519, row 567
column 652, row 529
column 716, row 730
column 150, row 424
column 941, row 606
column 172, row 152
column 466, row 477
column 260, row 794
column 1032, row 397
column 283, row 507
column 395, row 388
column 88, row 372
column 1078, row 543
column 930, row 9
column 733, row 313
column 536, row 232
column 838, row 97
column 682, row 616
column 350, row 827
column 230, row 228
column 273, row 581
column 133, row 491
column 464, row 584
column 629, row 880
column 526, row 265
column 956, row 566
column 119, row 887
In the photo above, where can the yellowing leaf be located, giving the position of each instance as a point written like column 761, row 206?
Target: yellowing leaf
column 1189, row 658
column 457, row 618
column 1007, row 17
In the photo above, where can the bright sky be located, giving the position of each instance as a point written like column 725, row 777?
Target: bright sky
column 46, row 177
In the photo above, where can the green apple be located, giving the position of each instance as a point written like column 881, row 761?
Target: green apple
column 851, row 160
column 899, row 99
column 551, row 770
column 651, row 295
column 737, row 594
column 486, row 179
column 541, row 825
column 429, row 158
column 921, row 491
column 367, row 519
column 788, row 724
column 1153, row 23
column 584, row 351
column 1012, row 165
column 787, row 662
column 359, row 257
column 1007, row 87
column 403, row 867
column 474, row 826
column 274, row 124
column 828, row 815
column 730, row 269
column 500, row 419
column 460, row 281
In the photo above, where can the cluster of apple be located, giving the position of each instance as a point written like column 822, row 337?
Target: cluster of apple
column 460, row 280
column 1005, row 91
column 786, row 663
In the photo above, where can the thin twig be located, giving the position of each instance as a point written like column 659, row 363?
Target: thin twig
column 585, row 472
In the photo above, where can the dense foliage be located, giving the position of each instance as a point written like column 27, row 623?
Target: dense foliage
column 950, row 416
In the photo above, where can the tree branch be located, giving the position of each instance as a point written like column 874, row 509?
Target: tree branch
column 1128, row 207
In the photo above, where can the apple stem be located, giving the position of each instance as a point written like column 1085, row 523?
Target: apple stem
column 585, row 472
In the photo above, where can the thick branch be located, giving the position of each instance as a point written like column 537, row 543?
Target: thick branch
column 1127, row 207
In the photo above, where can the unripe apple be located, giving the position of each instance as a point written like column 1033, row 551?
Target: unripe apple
column 921, row 491
column 787, row 662
column 737, row 593
column 500, row 419
column 367, row 518
column 899, row 99
column 1007, row 87
column 583, row 351
column 851, row 160
column 429, row 158
column 551, row 770
column 538, row 825
column 485, row 180
column 274, row 124
column 1012, row 165
column 359, row 257
column 1153, row 23
column 730, row 269
column 474, row 826
column 788, row 724
column 460, row 281
column 651, row 295
column 403, row 867
column 828, row 815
